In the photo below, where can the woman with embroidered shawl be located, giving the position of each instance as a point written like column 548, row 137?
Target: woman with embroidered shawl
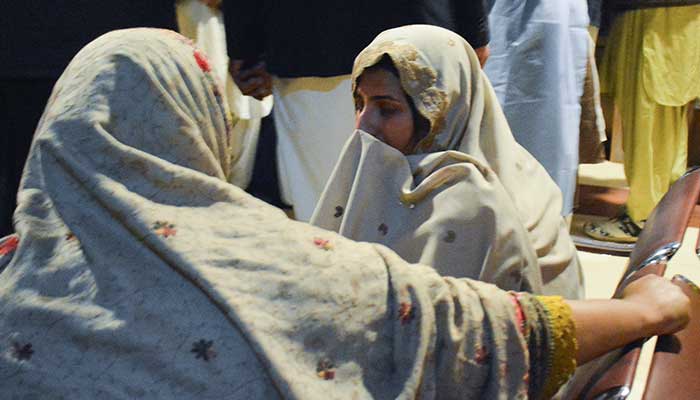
column 139, row 271
column 461, row 195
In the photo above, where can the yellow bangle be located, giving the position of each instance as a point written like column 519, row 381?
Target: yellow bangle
column 563, row 341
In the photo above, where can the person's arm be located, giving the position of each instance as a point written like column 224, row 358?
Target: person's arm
column 650, row 306
column 473, row 24
column 245, row 41
column 563, row 333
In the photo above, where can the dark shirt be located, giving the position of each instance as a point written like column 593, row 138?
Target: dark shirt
column 322, row 37
column 39, row 38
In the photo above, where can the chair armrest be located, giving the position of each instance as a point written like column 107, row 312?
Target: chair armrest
column 674, row 366
column 664, row 230
column 610, row 376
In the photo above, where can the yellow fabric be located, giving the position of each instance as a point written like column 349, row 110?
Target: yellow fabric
column 563, row 342
column 652, row 67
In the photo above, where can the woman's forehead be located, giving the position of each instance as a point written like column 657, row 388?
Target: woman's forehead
column 379, row 80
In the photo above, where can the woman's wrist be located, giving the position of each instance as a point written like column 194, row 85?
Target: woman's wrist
column 645, row 321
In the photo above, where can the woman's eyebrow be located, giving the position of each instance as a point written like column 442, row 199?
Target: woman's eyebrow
column 384, row 97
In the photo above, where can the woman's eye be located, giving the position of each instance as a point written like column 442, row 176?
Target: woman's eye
column 388, row 111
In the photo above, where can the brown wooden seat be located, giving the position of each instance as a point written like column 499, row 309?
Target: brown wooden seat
column 674, row 366
column 697, row 246
column 610, row 376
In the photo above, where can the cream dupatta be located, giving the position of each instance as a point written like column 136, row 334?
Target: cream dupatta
column 470, row 201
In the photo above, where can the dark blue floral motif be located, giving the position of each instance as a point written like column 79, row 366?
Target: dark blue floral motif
column 203, row 349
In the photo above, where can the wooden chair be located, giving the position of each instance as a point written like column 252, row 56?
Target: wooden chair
column 677, row 357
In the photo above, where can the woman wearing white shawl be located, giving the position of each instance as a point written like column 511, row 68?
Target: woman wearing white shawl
column 138, row 271
column 467, row 200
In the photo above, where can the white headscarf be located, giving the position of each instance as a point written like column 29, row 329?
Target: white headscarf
column 448, row 182
column 141, row 272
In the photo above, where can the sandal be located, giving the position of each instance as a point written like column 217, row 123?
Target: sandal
column 621, row 229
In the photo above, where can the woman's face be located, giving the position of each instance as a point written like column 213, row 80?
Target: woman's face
column 382, row 109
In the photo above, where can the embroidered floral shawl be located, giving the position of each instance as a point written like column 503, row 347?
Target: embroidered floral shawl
column 141, row 273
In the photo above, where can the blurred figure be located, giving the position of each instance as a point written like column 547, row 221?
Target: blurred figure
column 309, row 48
column 651, row 69
column 38, row 39
column 539, row 51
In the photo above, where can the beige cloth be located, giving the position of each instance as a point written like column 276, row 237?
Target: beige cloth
column 314, row 117
column 142, row 273
column 441, row 74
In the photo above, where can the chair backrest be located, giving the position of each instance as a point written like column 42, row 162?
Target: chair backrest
column 610, row 376
column 697, row 246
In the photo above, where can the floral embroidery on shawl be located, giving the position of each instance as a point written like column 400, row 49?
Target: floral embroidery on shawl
column 22, row 353
column 481, row 356
column 203, row 349
column 324, row 244
column 164, row 229
column 9, row 245
column 325, row 369
column 406, row 313
column 202, row 61
column 519, row 314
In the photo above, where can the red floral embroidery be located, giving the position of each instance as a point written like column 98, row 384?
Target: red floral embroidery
column 202, row 61
column 324, row 244
column 164, row 229
column 481, row 355
column 325, row 369
column 519, row 315
column 9, row 245
column 405, row 313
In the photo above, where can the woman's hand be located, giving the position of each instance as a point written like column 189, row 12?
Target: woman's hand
column 649, row 306
column 665, row 307
column 483, row 54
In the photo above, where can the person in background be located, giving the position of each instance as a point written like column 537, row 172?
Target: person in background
column 38, row 39
column 651, row 69
column 308, row 47
column 138, row 270
column 539, row 51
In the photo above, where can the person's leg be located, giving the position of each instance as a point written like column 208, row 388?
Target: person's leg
column 655, row 143
column 619, row 76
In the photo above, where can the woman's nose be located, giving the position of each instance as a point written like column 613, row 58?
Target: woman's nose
column 366, row 122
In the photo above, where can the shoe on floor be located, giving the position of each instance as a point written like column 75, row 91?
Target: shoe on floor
column 621, row 229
